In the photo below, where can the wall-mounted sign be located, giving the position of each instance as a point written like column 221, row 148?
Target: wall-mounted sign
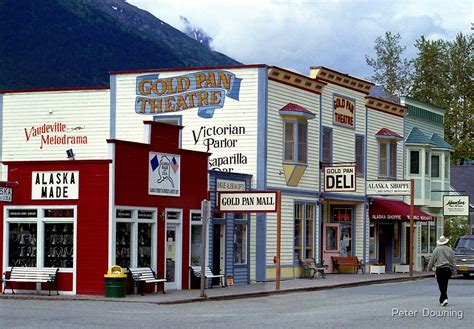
column 145, row 214
column 340, row 179
column 123, row 213
column 247, row 201
column 55, row 133
column 206, row 90
column 55, row 185
column 6, row 194
column 344, row 111
column 456, row 205
column 23, row 213
column 164, row 172
column 229, row 185
column 387, row 187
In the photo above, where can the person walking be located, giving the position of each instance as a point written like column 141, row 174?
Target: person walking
column 442, row 260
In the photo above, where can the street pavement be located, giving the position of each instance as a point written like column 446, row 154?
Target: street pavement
column 408, row 304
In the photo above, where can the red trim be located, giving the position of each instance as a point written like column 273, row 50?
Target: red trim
column 341, row 85
column 385, row 101
column 380, row 110
column 54, row 162
column 16, row 91
column 337, row 72
column 292, row 85
column 188, row 69
column 295, row 73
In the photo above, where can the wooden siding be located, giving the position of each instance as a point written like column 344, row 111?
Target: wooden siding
column 343, row 147
column 278, row 96
column 241, row 113
column 359, row 228
column 81, row 112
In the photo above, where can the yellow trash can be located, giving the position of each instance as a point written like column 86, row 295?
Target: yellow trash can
column 115, row 282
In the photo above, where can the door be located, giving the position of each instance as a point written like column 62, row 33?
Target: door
column 330, row 243
column 386, row 246
column 218, row 248
column 173, row 256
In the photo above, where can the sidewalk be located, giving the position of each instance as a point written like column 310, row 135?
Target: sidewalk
column 332, row 281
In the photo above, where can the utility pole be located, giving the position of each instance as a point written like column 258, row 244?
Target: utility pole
column 412, row 224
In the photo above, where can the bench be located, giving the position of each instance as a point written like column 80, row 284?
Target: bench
column 208, row 274
column 349, row 261
column 144, row 275
column 310, row 268
column 32, row 275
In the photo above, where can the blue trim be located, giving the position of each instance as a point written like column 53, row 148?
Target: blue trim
column 333, row 109
column 366, row 203
column 320, row 209
column 287, row 190
column 338, row 196
column 261, row 224
column 113, row 106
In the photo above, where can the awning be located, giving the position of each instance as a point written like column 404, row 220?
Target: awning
column 392, row 210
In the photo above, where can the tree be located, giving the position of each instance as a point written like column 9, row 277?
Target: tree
column 455, row 226
column 443, row 76
column 391, row 70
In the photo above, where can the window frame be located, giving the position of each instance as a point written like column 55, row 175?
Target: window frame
column 438, row 156
column 134, row 221
column 300, row 242
column 40, row 220
column 411, row 159
column 329, row 132
column 297, row 146
column 360, row 169
column 390, row 146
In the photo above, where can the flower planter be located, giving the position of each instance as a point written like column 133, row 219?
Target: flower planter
column 377, row 269
column 402, row 268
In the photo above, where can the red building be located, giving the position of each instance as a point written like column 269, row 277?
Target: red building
column 133, row 210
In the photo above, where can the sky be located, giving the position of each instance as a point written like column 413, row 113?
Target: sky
column 298, row 34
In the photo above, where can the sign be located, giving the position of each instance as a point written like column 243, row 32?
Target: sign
column 386, row 187
column 456, row 205
column 6, row 194
column 164, row 172
column 229, row 185
column 340, row 179
column 23, row 213
column 55, row 133
column 344, row 109
column 55, row 185
column 248, row 201
column 206, row 90
column 123, row 213
column 145, row 214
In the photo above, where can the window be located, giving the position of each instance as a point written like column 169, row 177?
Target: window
column 41, row 237
column 240, row 243
column 296, row 142
column 435, row 166
column 428, row 237
column 432, row 237
column 446, row 166
column 298, row 231
column 424, row 237
column 388, row 159
column 359, row 154
column 309, row 230
column 327, row 145
column 305, row 214
column 414, row 162
column 134, row 237
column 427, row 163
column 196, row 238
column 372, row 252
column 396, row 240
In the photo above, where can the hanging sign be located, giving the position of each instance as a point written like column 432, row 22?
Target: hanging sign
column 6, row 194
column 164, row 172
column 387, row 187
column 340, row 179
column 55, row 185
column 456, row 205
column 262, row 201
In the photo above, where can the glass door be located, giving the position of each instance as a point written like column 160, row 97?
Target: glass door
column 173, row 252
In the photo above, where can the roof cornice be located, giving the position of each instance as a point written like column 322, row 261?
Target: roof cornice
column 295, row 79
column 324, row 74
column 385, row 106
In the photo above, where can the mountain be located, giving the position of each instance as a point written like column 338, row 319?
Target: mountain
column 75, row 43
column 196, row 33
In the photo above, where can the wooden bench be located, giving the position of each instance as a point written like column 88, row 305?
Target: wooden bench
column 32, row 275
column 144, row 275
column 310, row 268
column 208, row 274
column 349, row 261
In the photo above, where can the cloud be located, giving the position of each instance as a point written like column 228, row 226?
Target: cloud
column 300, row 34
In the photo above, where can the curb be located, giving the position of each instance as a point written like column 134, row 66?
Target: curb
column 255, row 294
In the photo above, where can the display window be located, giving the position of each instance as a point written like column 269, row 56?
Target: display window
column 372, row 242
column 135, row 237
column 304, row 231
column 41, row 237
column 240, row 243
column 196, row 238
column 343, row 216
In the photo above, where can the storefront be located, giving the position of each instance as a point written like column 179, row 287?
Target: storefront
column 134, row 210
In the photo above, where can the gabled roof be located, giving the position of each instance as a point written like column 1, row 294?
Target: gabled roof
column 417, row 137
column 440, row 142
column 387, row 133
column 295, row 109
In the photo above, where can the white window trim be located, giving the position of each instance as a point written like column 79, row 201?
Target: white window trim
column 134, row 220
column 295, row 124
